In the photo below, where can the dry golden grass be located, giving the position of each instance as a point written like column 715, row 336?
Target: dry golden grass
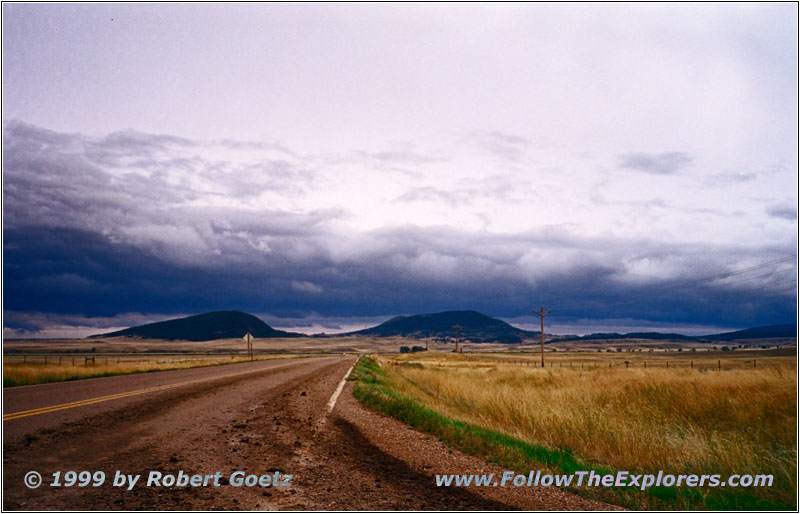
column 16, row 372
column 706, row 359
column 678, row 420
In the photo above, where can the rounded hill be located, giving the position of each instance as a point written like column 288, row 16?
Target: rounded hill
column 474, row 326
column 203, row 327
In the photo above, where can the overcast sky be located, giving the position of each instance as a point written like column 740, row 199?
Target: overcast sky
column 327, row 166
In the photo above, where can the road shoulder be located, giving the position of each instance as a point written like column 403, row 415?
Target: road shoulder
column 428, row 456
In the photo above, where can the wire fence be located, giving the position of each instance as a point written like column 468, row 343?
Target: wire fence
column 700, row 365
column 96, row 359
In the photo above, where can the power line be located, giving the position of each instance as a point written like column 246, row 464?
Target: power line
column 733, row 273
column 758, row 276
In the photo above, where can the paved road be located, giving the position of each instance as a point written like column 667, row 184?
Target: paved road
column 263, row 418
column 41, row 406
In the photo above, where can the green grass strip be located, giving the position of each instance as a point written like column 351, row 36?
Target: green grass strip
column 374, row 392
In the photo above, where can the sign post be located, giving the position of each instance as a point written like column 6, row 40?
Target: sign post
column 249, row 338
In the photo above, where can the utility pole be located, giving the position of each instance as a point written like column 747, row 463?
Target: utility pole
column 541, row 312
column 457, row 327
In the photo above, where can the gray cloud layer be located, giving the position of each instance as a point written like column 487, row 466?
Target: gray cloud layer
column 783, row 212
column 660, row 164
column 155, row 224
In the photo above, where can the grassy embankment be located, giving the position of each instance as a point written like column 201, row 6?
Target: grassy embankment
column 16, row 373
column 680, row 421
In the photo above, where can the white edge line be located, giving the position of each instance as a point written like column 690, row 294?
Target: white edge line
column 335, row 395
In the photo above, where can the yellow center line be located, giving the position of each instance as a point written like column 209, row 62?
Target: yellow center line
column 89, row 401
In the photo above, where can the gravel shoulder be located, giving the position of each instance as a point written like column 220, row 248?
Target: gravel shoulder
column 427, row 456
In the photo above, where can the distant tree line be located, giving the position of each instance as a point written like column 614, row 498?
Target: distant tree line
column 406, row 349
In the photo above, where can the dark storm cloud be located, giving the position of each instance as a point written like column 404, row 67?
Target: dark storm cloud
column 112, row 226
column 659, row 164
column 404, row 272
column 55, row 181
column 37, row 323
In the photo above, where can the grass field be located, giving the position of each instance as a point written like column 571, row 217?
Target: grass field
column 39, row 369
column 592, row 416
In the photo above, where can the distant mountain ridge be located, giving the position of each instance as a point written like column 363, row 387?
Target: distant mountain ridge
column 766, row 331
column 475, row 327
column 203, row 327
column 658, row 336
column 763, row 332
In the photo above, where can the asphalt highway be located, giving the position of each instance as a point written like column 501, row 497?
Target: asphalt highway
column 287, row 421
column 30, row 408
